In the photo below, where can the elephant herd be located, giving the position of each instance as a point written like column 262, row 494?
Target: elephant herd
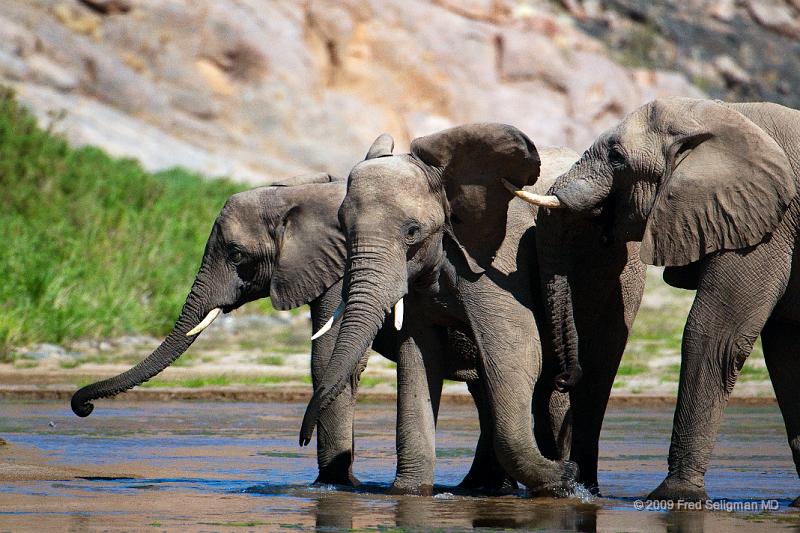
column 477, row 257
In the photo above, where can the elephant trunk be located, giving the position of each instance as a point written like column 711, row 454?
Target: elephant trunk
column 581, row 191
column 564, row 334
column 554, row 264
column 174, row 345
column 372, row 287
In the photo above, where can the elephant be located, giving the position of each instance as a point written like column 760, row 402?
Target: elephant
column 706, row 189
column 284, row 242
column 428, row 247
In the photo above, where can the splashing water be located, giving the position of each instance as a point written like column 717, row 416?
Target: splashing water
column 572, row 490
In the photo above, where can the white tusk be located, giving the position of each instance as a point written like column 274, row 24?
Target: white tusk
column 398, row 315
column 543, row 200
column 329, row 324
column 210, row 317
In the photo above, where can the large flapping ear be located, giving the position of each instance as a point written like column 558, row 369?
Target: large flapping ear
column 471, row 160
column 381, row 147
column 310, row 252
column 727, row 184
column 305, row 179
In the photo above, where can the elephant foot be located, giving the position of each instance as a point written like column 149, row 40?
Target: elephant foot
column 676, row 489
column 331, row 476
column 491, row 484
column 411, row 490
column 564, row 487
column 488, row 476
column 795, row 503
column 337, row 470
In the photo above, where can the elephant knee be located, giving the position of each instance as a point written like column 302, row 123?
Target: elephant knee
column 740, row 349
column 717, row 358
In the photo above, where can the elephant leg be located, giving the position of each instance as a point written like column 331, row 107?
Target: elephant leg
column 335, row 442
column 781, row 350
column 589, row 400
column 510, row 363
column 335, row 426
column 419, row 389
column 485, row 472
column 726, row 318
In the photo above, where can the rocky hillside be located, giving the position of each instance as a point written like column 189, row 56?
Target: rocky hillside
column 258, row 89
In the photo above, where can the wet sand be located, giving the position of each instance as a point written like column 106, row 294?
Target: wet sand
column 207, row 466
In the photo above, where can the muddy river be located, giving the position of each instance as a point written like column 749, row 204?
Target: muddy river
column 236, row 466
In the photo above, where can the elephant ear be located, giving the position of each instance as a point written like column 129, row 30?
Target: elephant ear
column 381, row 147
column 305, row 179
column 727, row 186
column 310, row 247
column 471, row 160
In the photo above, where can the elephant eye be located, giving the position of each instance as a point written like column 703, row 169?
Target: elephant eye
column 413, row 231
column 616, row 157
column 236, row 257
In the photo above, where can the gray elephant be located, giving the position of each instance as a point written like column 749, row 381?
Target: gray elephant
column 284, row 241
column 709, row 190
column 427, row 241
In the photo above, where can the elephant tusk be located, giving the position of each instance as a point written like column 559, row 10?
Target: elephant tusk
column 210, row 317
column 329, row 324
column 398, row 315
column 543, row 200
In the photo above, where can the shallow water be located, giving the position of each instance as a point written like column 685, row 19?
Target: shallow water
column 218, row 466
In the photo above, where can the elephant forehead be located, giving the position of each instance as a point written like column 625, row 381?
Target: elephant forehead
column 387, row 170
column 392, row 180
column 240, row 230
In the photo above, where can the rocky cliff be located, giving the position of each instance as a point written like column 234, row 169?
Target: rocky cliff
column 259, row 89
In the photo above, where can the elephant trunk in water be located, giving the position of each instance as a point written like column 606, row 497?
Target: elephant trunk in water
column 367, row 303
column 194, row 313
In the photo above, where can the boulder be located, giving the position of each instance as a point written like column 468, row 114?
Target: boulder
column 777, row 16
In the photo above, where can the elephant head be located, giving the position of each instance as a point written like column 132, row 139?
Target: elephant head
column 684, row 177
column 281, row 241
column 395, row 216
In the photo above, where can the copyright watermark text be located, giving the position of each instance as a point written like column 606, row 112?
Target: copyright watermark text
column 728, row 506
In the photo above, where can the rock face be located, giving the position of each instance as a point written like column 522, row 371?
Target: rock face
column 737, row 50
column 259, row 89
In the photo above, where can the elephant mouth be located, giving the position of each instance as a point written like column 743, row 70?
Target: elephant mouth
column 397, row 313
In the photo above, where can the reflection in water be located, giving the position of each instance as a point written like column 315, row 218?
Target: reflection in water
column 683, row 521
column 334, row 510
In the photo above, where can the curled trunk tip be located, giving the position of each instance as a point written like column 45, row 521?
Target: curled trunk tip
column 167, row 352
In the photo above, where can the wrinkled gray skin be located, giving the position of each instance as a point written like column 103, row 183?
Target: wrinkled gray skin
column 284, row 242
column 426, row 227
column 709, row 189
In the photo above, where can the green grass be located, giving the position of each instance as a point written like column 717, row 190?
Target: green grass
column 93, row 246
column 275, row 360
column 631, row 369
column 658, row 328
column 368, row 382
column 224, row 380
